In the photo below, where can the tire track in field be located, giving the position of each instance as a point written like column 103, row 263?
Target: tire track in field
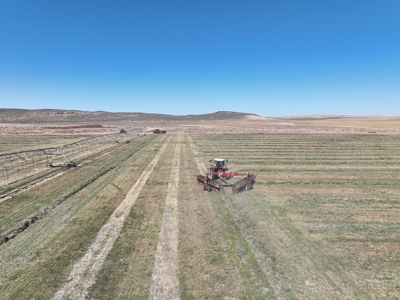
column 200, row 165
column 84, row 272
column 165, row 283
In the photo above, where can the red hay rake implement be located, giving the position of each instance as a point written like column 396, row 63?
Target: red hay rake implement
column 220, row 171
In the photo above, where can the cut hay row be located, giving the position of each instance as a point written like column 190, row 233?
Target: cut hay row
column 22, row 210
column 84, row 273
column 165, row 284
column 38, row 261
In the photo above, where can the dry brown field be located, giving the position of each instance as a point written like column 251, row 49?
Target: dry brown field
column 131, row 221
column 368, row 123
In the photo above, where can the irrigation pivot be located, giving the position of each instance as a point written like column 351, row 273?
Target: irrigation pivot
column 15, row 166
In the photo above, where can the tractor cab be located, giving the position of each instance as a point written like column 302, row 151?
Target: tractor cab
column 219, row 163
column 218, row 166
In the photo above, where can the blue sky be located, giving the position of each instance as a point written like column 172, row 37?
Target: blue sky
column 271, row 57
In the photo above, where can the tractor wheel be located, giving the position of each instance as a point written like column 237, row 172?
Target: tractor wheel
column 212, row 177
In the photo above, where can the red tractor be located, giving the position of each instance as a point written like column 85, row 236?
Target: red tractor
column 218, row 167
column 158, row 131
column 219, row 170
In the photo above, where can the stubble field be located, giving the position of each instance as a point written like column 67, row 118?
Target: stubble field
column 320, row 223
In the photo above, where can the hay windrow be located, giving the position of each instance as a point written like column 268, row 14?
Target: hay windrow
column 84, row 272
column 165, row 274
column 22, row 226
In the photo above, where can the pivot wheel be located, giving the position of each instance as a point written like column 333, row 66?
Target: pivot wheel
column 204, row 188
column 209, row 188
column 249, row 187
column 71, row 165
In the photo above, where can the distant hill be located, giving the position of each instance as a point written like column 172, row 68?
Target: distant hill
column 40, row 116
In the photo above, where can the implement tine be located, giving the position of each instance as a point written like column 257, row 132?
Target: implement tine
column 241, row 184
column 216, row 186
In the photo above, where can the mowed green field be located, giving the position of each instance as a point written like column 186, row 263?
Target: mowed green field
column 322, row 222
